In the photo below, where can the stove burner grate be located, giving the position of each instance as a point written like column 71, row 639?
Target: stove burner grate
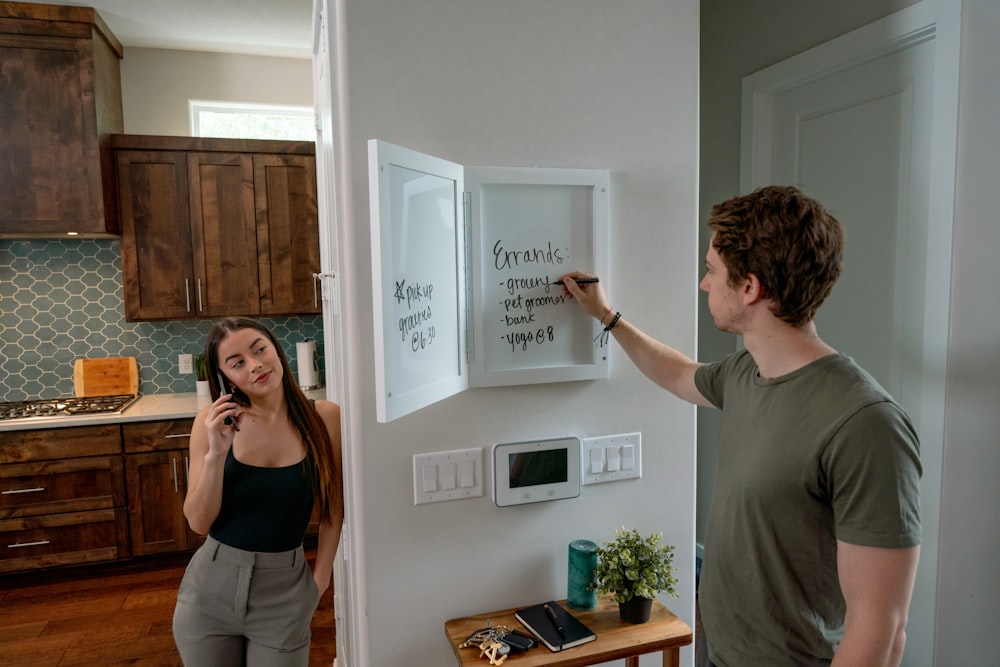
column 54, row 407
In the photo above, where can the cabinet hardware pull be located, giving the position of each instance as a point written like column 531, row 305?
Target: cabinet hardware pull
column 201, row 306
column 187, row 293
column 187, row 471
column 177, row 435
column 18, row 545
column 174, row 461
column 13, row 491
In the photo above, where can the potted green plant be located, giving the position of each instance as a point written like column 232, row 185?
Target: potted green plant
column 633, row 569
column 201, row 374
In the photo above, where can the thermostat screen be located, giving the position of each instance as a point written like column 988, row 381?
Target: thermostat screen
column 535, row 468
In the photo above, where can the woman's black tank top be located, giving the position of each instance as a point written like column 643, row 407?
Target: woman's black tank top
column 263, row 509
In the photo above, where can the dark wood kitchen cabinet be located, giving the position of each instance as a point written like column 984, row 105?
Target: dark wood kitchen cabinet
column 156, row 465
column 217, row 227
column 60, row 85
column 62, row 497
column 287, row 233
column 189, row 247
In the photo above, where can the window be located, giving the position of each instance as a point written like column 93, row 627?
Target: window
column 251, row 121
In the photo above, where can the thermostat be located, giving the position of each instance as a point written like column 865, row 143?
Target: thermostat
column 536, row 471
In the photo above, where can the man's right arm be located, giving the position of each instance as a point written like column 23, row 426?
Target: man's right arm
column 660, row 363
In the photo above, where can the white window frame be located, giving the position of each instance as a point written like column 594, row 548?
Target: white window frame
column 196, row 107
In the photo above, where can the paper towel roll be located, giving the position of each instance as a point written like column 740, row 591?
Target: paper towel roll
column 305, row 354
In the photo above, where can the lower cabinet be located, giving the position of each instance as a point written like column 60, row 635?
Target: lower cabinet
column 69, row 538
column 156, row 466
column 62, row 498
column 88, row 494
column 156, row 502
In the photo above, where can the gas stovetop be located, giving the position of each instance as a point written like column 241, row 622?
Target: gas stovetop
column 56, row 407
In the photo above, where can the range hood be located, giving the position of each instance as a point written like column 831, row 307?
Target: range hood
column 61, row 92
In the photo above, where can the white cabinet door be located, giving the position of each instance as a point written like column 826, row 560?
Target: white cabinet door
column 463, row 265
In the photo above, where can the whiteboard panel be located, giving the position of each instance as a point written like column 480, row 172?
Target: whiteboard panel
column 418, row 270
column 444, row 236
column 528, row 227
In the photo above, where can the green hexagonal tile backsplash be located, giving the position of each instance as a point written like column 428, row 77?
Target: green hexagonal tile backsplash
column 61, row 300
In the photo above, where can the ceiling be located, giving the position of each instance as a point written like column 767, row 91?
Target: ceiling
column 259, row 27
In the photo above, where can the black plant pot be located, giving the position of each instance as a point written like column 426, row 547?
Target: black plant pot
column 635, row 610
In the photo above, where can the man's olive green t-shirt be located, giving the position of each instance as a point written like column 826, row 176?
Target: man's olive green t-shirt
column 819, row 455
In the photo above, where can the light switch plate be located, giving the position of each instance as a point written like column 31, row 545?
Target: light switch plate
column 451, row 471
column 614, row 451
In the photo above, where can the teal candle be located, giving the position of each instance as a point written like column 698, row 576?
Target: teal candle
column 582, row 563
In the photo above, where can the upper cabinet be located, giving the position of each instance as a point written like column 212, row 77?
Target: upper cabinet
column 287, row 233
column 60, row 88
column 217, row 227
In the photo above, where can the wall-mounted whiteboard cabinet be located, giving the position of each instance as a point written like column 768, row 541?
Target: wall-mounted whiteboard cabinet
column 463, row 261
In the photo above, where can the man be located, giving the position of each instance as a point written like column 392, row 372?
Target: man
column 814, row 531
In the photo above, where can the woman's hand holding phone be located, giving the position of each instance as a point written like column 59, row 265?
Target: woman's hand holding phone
column 229, row 420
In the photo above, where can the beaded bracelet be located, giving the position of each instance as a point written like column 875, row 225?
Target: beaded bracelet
column 606, row 332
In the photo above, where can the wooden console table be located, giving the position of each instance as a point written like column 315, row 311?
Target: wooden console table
column 616, row 640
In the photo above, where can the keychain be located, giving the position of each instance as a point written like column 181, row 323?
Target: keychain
column 490, row 642
column 490, row 648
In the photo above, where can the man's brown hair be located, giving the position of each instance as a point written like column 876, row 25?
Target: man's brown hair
column 786, row 239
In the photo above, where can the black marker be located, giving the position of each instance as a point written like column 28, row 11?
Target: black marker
column 555, row 621
column 228, row 421
column 580, row 281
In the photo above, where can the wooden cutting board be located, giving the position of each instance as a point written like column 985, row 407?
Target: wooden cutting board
column 111, row 376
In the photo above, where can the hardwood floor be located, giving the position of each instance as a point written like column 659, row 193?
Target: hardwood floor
column 104, row 616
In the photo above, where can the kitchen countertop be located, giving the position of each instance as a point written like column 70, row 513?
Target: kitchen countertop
column 152, row 407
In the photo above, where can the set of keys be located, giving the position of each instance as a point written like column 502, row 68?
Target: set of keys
column 496, row 643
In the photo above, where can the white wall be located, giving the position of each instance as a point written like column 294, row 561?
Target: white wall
column 157, row 84
column 564, row 83
column 968, row 613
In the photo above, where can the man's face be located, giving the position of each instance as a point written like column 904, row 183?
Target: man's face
column 724, row 301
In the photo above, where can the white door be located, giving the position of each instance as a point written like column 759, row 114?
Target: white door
column 855, row 124
column 859, row 141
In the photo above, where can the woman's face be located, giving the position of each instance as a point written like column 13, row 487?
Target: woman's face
column 250, row 361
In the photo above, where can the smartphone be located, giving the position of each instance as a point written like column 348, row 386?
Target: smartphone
column 228, row 421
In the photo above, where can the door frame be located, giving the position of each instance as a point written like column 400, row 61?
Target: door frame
column 334, row 203
column 938, row 20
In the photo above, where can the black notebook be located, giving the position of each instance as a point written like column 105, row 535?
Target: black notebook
column 554, row 626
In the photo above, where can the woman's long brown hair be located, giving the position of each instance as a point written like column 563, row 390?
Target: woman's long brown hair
column 322, row 468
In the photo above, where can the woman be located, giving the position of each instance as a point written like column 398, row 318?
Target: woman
column 261, row 455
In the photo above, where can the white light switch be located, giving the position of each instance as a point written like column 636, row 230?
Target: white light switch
column 467, row 474
column 597, row 460
column 451, row 475
column 612, row 458
column 430, row 481
column 628, row 457
column 448, row 475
